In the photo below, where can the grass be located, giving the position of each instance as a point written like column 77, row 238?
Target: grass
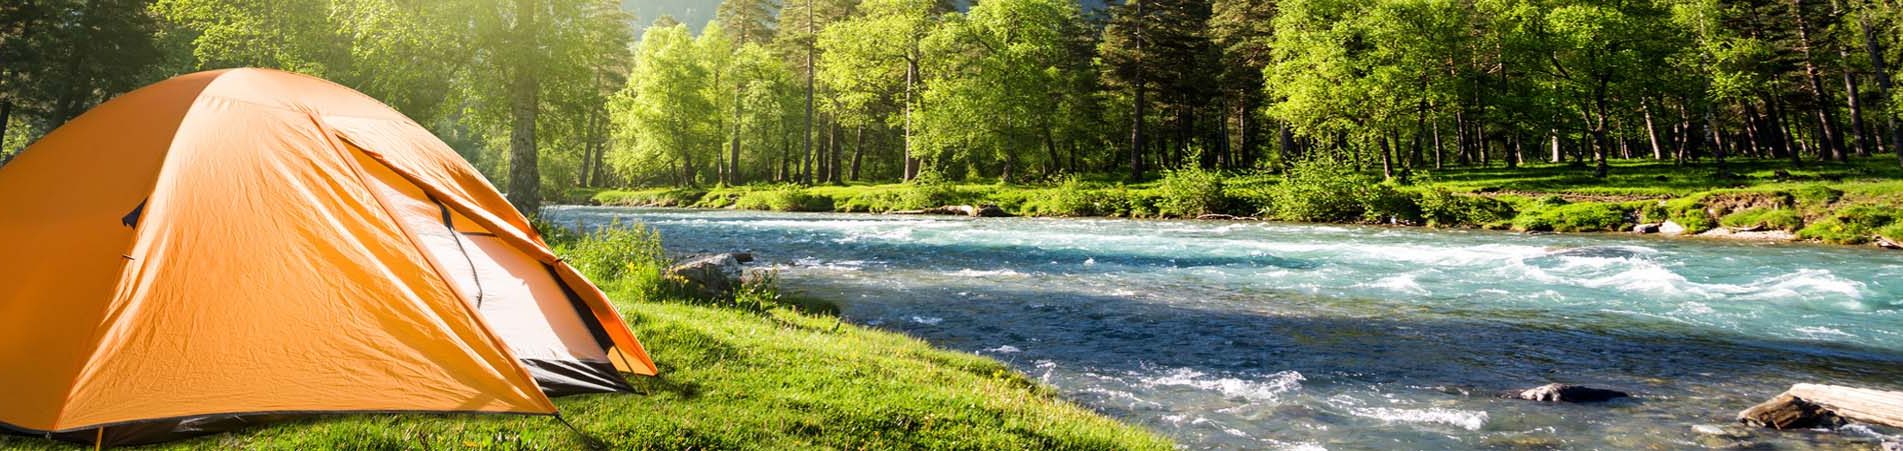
column 1555, row 197
column 753, row 372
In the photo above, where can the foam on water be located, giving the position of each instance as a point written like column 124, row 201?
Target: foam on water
column 1465, row 419
column 1265, row 389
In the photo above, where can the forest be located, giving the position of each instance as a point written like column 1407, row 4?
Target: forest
column 550, row 95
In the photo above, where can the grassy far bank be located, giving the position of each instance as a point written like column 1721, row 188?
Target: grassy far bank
column 1844, row 203
column 750, row 372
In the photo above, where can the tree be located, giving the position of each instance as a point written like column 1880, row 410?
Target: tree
column 998, row 82
column 664, row 118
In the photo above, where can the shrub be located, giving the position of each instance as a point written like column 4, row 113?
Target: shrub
column 1191, row 192
column 1321, row 189
column 1580, row 217
column 681, row 197
column 626, row 257
column 1853, row 225
column 784, row 198
column 1816, row 195
column 1442, row 208
column 1776, row 218
column 1690, row 213
column 1384, row 204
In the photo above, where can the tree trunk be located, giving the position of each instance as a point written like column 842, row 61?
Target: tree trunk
column 806, row 171
column 858, row 151
column 911, row 85
column 73, row 89
column 1884, row 86
column 525, row 179
column 1826, row 123
column 733, row 150
column 1652, row 133
column 1138, row 105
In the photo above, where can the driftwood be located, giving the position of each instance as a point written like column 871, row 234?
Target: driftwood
column 1813, row 405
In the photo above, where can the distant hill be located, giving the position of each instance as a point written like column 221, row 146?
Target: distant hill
column 696, row 13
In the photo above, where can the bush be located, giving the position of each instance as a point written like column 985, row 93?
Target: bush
column 1690, row 213
column 1321, row 189
column 1775, row 218
column 930, row 191
column 1853, row 225
column 1191, row 192
column 1581, row 217
column 626, row 257
column 1386, row 205
column 682, row 197
column 1816, row 195
column 1442, row 208
column 784, row 198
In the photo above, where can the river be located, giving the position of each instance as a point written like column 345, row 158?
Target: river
column 1257, row 335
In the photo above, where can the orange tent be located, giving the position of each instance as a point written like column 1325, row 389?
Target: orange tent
column 231, row 244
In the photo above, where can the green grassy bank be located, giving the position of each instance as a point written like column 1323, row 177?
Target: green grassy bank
column 748, row 372
column 1844, row 203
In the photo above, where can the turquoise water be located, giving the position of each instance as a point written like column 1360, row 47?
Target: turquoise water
column 1269, row 335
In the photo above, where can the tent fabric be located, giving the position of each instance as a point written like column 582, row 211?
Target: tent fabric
column 233, row 244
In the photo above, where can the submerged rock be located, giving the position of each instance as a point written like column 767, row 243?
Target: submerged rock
column 1567, row 393
column 712, row 275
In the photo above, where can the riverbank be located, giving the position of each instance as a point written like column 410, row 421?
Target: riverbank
column 1859, row 202
column 756, row 373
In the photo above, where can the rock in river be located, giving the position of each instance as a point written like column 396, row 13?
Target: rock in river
column 1567, row 393
column 1671, row 228
column 712, row 275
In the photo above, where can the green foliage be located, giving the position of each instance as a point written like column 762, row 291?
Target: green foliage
column 1774, row 218
column 1853, row 225
column 1191, row 193
column 784, row 198
column 665, row 197
column 1442, row 208
column 1321, row 189
column 622, row 256
column 1690, row 212
column 1580, row 217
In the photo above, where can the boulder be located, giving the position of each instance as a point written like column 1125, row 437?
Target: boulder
column 1645, row 228
column 1886, row 243
column 1671, row 228
column 711, row 275
column 1892, row 446
column 1567, row 393
column 1216, row 217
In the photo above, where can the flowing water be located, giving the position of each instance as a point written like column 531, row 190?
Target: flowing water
column 1269, row 335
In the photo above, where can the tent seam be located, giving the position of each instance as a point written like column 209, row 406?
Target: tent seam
column 330, row 139
column 138, row 234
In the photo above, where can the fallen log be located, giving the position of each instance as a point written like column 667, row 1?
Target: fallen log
column 1814, row 405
